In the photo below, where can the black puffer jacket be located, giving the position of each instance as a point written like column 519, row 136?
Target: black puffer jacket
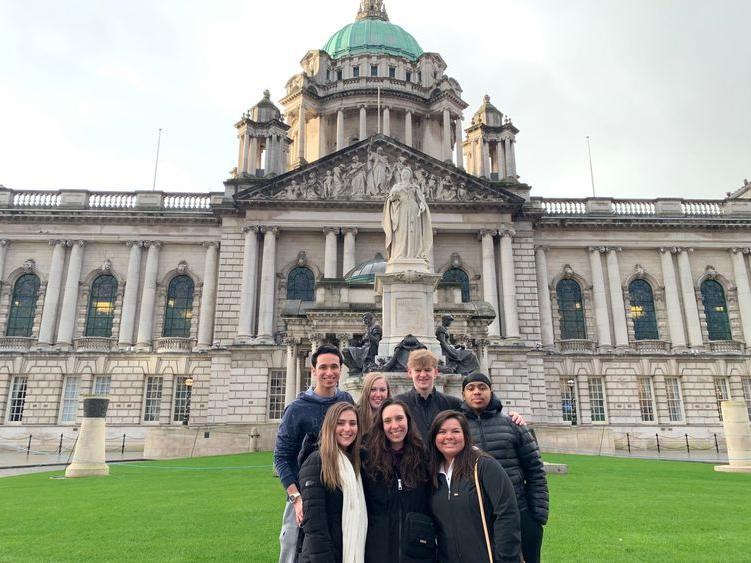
column 322, row 515
column 516, row 450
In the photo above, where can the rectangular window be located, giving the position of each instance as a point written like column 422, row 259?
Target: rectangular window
column 568, row 400
column 277, row 383
column 408, row 76
column 392, row 72
column 722, row 392
column 102, row 385
column 419, row 77
column 70, row 399
column 17, row 399
column 596, row 399
column 153, row 399
column 181, row 400
column 373, row 70
column 675, row 407
column 356, row 72
column 747, row 393
column 646, row 399
column 338, row 74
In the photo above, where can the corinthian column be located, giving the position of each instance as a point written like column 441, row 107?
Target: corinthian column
column 363, row 124
column 690, row 307
column 744, row 292
column 601, row 302
column 348, row 260
column 510, row 313
column 148, row 298
column 387, row 121
column 616, row 299
column 52, row 295
column 459, row 144
column 329, row 260
column 268, row 286
column 675, row 319
column 543, row 298
column 408, row 128
column 446, row 135
column 339, row 130
column 249, row 282
column 70, row 295
column 130, row 296
column 489, row 283
column 208, row 296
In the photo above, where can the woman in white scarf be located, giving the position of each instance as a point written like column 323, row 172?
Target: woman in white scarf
column 335, row 517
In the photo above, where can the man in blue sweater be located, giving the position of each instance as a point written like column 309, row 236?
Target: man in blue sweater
column 304, row 416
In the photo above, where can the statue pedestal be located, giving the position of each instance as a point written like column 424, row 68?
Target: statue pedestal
column 89, row 455
column 737, row 436
column 407, row 297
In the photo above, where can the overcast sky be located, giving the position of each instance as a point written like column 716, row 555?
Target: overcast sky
column 662, row 87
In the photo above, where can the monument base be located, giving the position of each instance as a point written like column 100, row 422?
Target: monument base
column 89, row 455
column 732, row 469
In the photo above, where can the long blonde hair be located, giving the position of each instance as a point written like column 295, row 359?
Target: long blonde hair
column 329, row 449
column 364, row 410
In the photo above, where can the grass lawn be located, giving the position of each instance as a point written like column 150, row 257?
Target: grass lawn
column 229, row 509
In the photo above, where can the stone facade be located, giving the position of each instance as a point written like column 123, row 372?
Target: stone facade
column 274, row 264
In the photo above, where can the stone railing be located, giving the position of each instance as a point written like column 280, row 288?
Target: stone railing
column 94, row 344
column 173, row 344
column 644, row 208
column 386, row 83
column 36, row 199
column 15, row 343
column 112, row 201
column 726, row 346
column 651, row 346
column 564, row 207
column 576, row 346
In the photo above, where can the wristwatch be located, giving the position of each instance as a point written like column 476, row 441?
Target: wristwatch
column 293, row 497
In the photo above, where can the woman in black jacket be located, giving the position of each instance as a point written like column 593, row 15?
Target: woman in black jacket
column 335, row 519
column 397, row 489
column 455, row 466
column 516, row 450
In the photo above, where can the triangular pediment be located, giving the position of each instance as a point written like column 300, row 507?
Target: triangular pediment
column 365, row 173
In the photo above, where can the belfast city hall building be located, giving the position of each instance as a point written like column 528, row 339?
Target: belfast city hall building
column 609, row 314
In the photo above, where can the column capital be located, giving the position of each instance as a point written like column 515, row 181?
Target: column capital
column 614, row 249
column 253, row 228
column 134, row 243
column 152, row 243
column 331, row 230
column 270, row 229
column 506, row 231
column 350, row 230
column 542, row 247
column 482, row 233
column 55, row 242
column 4, row 242
column 731, row 250
column 211, row 243
column 290, row 341
column 72, row 243
column 600, row 249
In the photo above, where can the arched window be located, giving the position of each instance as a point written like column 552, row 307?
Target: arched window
column 716, row 310
column 101, row 306
column 643, row 310
column 23, row 306
column 179, row 310
column 301, row 284
column 457, row 275
column 571, row 310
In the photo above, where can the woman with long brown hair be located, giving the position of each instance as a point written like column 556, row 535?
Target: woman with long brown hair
column 397, row 489
column 375, row 390
column 474, row 523
column 335, row 519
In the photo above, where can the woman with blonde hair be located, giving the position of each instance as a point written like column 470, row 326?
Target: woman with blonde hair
column 335, row 518
column 375, row 390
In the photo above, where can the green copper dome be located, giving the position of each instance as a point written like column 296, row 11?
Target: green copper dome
column 374, row 36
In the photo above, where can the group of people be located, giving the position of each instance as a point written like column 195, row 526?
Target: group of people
column 421, row 476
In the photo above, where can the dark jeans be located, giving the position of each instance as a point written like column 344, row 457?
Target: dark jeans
column 531, row 537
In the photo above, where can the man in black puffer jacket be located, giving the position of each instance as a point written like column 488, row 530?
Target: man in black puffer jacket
column 516, row 450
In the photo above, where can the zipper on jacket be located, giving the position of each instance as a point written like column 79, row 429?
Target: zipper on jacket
column 401, row 515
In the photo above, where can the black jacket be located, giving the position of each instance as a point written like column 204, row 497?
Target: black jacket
column 516, row 450
column 322, row 516
column 459, row 524
column 388, row 506
column 424, row 411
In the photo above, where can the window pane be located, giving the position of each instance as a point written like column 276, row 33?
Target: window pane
column 571, row 310
column 301, row 284
column 646, row 401
column 102, row 384
column 716, row 310
column 596, row 399
column 277, row 383
column 70, row 399
column 568, row 401
column 17, row 399
column 457, row 275
column 643, row 310
column 181, row 400
column 101, row 307
column 179, row 311
column 673, row 390
column 722, row 393
column 153, row 399
column 23, row 306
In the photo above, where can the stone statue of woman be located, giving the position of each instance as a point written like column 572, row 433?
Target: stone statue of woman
column 406, row 220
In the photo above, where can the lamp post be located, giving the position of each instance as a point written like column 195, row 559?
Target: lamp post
column 572, row 400
column 189, row 385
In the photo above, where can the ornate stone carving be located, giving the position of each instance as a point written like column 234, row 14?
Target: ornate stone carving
column 302, row 259
column 458, row 358
column 106, row 266
column 710, row 272
column 29, row 265
column 361, row 359
column 639, row 272
column 568, row 272
column 406, row 220
column 182, row 267
column 455, row 260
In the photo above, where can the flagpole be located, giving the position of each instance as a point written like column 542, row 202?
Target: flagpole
column 156, row 163
column 591, row 172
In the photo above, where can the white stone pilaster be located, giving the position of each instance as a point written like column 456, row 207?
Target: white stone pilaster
column 690, row 307
column 459, row 144
column 485, row 159
column 543, row 297
column 348, row 260
column 500, row 157
column 387, row 121
column 148, row 297
column 253, row 159
column 489, row 283
column 408, row 128
column 269, row 167
column 3, row 254
column 507, row 152
column 52, row 295
column 301, row 133
column 363, row 124
column 249, row 283
column 672, row 301
column 618, row 311
column 70, row 295
column 601, row 303
column 330, row 258
column 340, row 130
column 446, row 130
column 512, row 159
column 510, row 311
column 208, row 296
column 130, row 295
column 241, row 154
column 744, row 291
column 268, row 287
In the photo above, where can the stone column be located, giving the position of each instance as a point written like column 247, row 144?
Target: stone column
column 446, row 135
column 543, row 298
column 301, row 133
column 500, row 156
column 489, row 283
column 269, row 166
column 268, row 287
column 348, row 261
column 744, row 291
column 507, row 151
column 241, row 154
column 130, row 295
column 148, row 298
column 485, row 159
column 510, row 313
column 690, row 307
column 459, row 144
column 3, row 253
column 52, row 295
column 208, row 296
column 408, row 128
column 290, row 388
column 249, row 282
column 673, row 303
column 512, row 159
column 329, row 260
column 253, row 158
column 616, row 300
column 70, row 295
column 363, row 124
column 601, row 302
column 387, row 121
column 340, row 129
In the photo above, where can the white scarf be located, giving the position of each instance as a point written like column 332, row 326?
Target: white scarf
column 354, row 512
